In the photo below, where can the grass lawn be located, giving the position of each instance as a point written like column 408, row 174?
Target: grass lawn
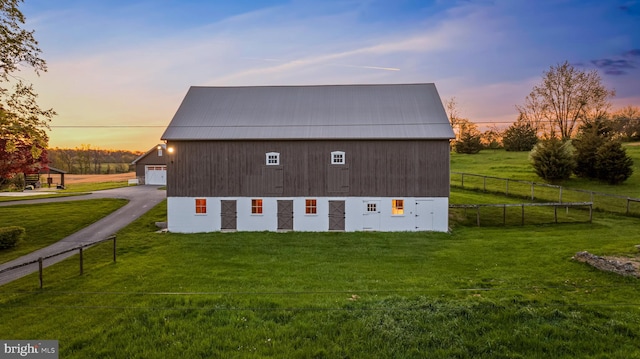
column 490, row 292
column 515, row 165
column 48, row 223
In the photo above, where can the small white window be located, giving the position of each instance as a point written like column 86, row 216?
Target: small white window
column 273, row 158
column 337, row 158
column 371, row 207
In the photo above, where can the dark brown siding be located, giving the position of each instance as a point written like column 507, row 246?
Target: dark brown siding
column 410, row 168
column 151, row 158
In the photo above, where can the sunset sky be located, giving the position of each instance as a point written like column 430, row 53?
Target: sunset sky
column 119, row 69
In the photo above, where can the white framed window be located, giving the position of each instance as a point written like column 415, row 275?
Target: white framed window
column 372, row 207
column 201, row 206
column 397, row 207
column 273, row 158
column 337, row 158
column 256, row 206
column 311, row 206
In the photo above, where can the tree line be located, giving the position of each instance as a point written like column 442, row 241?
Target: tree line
column 567, row 124
column 87, row 160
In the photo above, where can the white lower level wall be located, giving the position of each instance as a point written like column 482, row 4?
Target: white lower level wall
column 420, row 214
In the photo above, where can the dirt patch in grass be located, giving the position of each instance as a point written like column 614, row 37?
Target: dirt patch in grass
column 117, row 177
column 620, row 265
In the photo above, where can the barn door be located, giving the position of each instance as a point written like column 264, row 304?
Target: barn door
column 371, row 214
column 336, row 215
column 228, row 214
column 424, row 215
column 285, row 215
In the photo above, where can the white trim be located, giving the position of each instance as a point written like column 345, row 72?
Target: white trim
column 272, row 159
column 338, row 158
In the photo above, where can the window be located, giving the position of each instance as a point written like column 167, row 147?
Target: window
column 371, row 207
column 337, row 158
column 273, row 158
column 256, row 206
column 201, row 205
column 311, row 206
column 397, row 206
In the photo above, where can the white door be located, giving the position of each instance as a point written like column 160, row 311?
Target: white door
column 371, row 216
column 155, row 175
column 424, row 215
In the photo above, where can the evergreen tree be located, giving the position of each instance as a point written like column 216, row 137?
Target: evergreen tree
column 553, row 159
column 613, row 165
column 469, row 143
column 520, row 136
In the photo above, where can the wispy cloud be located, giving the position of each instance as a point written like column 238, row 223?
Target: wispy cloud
column 619, row 65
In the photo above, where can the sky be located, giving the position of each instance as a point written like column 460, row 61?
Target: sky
column 119, row 69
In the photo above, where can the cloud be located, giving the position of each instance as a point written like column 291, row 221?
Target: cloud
column 614, row 66
column 618, row 66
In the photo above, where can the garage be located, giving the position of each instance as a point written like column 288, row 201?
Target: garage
column 155, row 175
column 151, row 167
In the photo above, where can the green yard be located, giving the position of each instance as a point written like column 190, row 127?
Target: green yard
column 477, row 292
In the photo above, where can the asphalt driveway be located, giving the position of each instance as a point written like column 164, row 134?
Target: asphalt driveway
column 141, row 199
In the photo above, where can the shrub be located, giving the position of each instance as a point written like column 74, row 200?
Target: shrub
column 469, row 143
column 10, row 236
column 552, row 159
column 613, row 165
column 586, row 146
column 520, row 136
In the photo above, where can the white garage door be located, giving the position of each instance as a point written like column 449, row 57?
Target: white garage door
column 155, row 175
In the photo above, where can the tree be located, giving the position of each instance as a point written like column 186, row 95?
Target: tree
column 613, row 165
column 469, row 138
column 520, row 136
column 627, row 123
column 566, row 97
column 591, row 136
column 492, row 138
column 23, row 123
column 552, row 159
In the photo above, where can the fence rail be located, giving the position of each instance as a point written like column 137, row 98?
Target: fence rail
column 80, row 250
column 546, row 192
column 504, row 207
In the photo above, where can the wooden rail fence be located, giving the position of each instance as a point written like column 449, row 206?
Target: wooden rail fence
column 80, row 250
column 522, row 206
column 546, row 192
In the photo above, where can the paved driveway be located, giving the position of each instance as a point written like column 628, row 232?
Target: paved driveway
column 141, row 199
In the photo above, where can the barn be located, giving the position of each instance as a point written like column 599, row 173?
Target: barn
column 309, row 158
column 151, row 167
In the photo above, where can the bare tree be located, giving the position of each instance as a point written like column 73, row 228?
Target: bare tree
column 566, row 97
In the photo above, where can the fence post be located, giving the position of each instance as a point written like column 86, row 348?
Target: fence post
column 628, row 201
column 40, row 270
column 484, row 183
column 560, row 194
column 532, row 185
column 114, row 248
column 81, row 260
column 522, row 214
column 504, row 214
column 591, row 212
column 506, row 193
column 462, row 180
column 478, row 215
column 555, row 213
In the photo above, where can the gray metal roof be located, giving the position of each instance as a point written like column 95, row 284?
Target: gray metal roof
column 154, row 148
column 398, row 111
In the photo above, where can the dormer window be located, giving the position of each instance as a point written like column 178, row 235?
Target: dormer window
column 337, row 158
column 273, row 159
